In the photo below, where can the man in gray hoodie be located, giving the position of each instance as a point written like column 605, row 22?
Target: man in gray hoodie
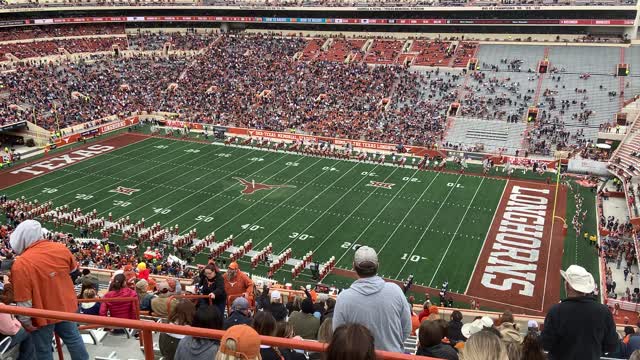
column 374, row 303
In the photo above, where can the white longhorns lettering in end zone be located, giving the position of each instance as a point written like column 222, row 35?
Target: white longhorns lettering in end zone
column 516, row 249
column 63, row 160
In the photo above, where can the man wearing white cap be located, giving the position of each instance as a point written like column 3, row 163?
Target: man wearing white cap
column 41, row 279
column 374, row 303
column 579, row 327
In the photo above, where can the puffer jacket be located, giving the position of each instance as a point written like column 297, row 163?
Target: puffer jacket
column 124, row 309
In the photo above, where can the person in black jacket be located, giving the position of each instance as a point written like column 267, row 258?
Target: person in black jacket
column 579, row 327
column 212, row 284
column 430, row 342
column 455, row 327
column 239, row 313
column 277, row 308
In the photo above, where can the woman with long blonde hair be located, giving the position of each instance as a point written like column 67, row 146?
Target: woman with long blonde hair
column 484, row 345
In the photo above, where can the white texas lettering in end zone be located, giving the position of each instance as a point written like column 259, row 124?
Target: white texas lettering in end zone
column 516, row 247
column 63, row 160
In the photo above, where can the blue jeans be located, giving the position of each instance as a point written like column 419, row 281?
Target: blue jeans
column 23, row 339
column 68, row 332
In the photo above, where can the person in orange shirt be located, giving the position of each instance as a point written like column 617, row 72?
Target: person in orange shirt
column 237, row 283
column 42, row 280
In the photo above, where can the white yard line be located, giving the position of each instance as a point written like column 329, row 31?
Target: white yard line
column 103, row 188
column 300, row 209
column 354, row 210
column 255, row 203
column 428, row 226
column 486, row 237
column 407, row 214
column 376, row 217
column 455, row 233
column 106, row 158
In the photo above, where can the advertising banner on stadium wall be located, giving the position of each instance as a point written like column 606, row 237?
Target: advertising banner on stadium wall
column 332, row 21
column 97, row 131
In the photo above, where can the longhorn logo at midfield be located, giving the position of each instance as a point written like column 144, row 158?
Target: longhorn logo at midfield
column 251, row 186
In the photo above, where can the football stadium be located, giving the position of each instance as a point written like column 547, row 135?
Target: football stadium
column 314, row 179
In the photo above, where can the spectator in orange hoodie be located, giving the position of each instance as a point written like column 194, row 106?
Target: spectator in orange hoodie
column 237, row 283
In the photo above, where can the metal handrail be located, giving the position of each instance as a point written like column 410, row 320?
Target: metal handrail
column 147, row 328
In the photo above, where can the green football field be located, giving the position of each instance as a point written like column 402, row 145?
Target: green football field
column 430, row 224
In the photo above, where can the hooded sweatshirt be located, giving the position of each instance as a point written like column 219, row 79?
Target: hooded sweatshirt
column 378, row 305
column 191, row 348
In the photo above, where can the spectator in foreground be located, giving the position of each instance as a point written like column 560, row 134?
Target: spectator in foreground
column 42, row 280
column 265, row 324
column 532, row 348
column 386, row 313
column 90, row 308
column 239, row 342
column 122, row 309
column 193, row 348
column 285, row 330
column 239, row 313
column 430, row 342
column 10, row 326
column 484, row 345
column 182, row 315
column 351, row 342
column 579, row 327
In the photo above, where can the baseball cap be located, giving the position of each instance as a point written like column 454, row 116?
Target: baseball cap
column 579, row 279
column 275, row 295
column 532, row 324
column 163, row 285
column 240, row 303
column 365, row 256
column 246, row 339
column 233, row 266
column 476, row 326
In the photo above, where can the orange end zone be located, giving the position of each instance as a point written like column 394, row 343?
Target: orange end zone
column 520, row 261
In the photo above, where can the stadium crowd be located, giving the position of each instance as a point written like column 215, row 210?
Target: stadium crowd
column 576, row 328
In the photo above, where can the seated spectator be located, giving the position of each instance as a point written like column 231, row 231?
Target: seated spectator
column 324, row 336
column 10, row 326
column 455, row 327
column 161, row 301
column 508, row 329
column 351, row 342
column 122, row 309
column 277, row 308
column 425, row 311
column 484, row 345
column 579, row 327
column 193, row 348
column 329, row 305
column 239, row 313
column 430, row 342
column 476, row 326
column 285, row 330
column 143, row 272
column 90, row 308
column 182, row 315
column 144, row 296
column 265, row 324
column 303, row 321
column 532, row 348
column 239, row 342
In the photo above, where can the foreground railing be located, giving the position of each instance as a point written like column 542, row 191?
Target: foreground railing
column 147, row 328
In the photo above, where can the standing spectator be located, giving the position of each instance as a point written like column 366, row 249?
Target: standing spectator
column 42, row 280
column 277, row 308
column 237, row 283
column 455, row 327
column 430, row 342
column 193, row 348
column 579, row 327
column 239, row 342
column 182, row 315
column 352, row 342
column 532, row 348
column 330, row 306
column 508, row 329
column 303, row 321
column 386, row 313
column 239, row 313
column 122, row 309
column 484, row 345
column 212, row 284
